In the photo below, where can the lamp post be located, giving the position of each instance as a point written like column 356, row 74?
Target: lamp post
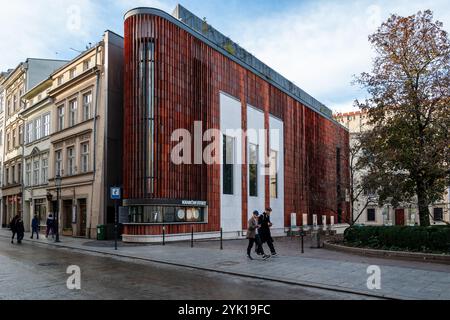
column 58, row 189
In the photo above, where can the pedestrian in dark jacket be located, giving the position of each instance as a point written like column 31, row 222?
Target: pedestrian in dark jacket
column 12, row 226
column 264, row 231
column 253, row 236
column 35, row 227
column 20, row 229
column 50, row 226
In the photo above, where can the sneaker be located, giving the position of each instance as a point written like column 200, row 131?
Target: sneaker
column 250, row 257
column 274, row 254
column 266, row 256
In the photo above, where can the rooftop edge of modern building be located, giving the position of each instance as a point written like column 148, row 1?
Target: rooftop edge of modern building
column 190, row 23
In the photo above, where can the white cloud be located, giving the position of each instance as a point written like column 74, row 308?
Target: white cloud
column 320, row 47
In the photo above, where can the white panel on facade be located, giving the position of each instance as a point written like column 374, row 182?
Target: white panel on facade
column 256, row 136
column 277, row 144
column 230, row 125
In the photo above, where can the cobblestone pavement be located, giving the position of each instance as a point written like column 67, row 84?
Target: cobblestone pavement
column 32, row 271
column 317, row 267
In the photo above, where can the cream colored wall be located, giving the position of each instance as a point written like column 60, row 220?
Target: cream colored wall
column 84, row 185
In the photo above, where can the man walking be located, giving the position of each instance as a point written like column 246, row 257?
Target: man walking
column 253, row 237
column 264, row 231
column 20, row 229
column 50, row 226
column 12, row 226
column 35, row 227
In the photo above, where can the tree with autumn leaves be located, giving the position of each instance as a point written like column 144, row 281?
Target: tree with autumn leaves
column 406, row 153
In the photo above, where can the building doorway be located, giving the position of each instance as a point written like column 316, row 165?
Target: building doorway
column 83, row 217
column 399, row 217
column 67, row 217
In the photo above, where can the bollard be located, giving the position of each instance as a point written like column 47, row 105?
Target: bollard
column 303, row 248
column 221, row 238
column 164, row 235
column 192, row 237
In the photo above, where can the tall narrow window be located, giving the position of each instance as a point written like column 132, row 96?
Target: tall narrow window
column 38, row 128
column 438, row 214
column 58, row 162
column 14, row 138
column 21, row 134
column 73, row 110
column 15, row 102
column 71, row 161
column 72, row 73
column 371, row 214
column 28, row 181
column 8, row 141
column 228, row 164
column 36, row 170
column 44, row 169
column 61, row 117
column 19, row 173
column 46, row 120
column 273, row 174
column 87, row 101
column 85, row 157
column 30, row 132
column 253, row 170
column 6, row 180
column 146, row 76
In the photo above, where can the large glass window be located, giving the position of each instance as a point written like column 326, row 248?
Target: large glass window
column 253, row 170
column 87, row 101
column 228, row 164
column 273, row 174
column 40, row 209
column 21, row 134
column 167, row 214
column 71, row 161
column 73, row 110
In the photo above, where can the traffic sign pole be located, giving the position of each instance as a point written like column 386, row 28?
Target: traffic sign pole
column 116, row 195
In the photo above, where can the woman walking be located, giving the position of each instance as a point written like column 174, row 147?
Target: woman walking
column 252, row 236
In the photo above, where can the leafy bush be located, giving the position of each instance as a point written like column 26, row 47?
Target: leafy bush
column 423, row 239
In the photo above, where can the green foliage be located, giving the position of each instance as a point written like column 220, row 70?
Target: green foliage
column 419, row 239
column 406, row 151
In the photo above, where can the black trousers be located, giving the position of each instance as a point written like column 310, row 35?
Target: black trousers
column 35, row 230
column 13, row 235
column 251, row 242
column 269, row 242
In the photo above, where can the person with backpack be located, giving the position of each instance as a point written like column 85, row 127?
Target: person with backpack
column 12, row 226
column 20, row 229
column 35, row 227
column 253, row 237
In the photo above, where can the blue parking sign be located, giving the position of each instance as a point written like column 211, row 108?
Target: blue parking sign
column 115, row 193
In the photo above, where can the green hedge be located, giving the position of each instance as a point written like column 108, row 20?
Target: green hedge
column 423, row 239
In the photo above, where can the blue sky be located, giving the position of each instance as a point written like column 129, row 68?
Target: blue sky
column 319, row 45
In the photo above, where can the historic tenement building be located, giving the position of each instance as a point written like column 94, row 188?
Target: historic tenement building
column 18, row 81
column 405, row 214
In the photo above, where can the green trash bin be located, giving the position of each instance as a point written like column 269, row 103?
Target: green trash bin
column 101, row 232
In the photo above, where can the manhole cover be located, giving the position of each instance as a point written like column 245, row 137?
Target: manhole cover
column 48, row 264
column 229, row 263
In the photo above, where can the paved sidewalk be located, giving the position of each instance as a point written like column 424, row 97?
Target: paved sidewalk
column 400, row 282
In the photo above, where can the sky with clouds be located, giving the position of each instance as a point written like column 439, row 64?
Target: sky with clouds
column 318, row 44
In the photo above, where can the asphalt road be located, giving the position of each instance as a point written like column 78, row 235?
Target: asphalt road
column 31, row 271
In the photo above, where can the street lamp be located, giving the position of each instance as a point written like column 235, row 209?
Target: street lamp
column 58, row 190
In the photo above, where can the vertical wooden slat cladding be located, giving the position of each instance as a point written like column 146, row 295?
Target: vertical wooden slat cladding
column 188, row 77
